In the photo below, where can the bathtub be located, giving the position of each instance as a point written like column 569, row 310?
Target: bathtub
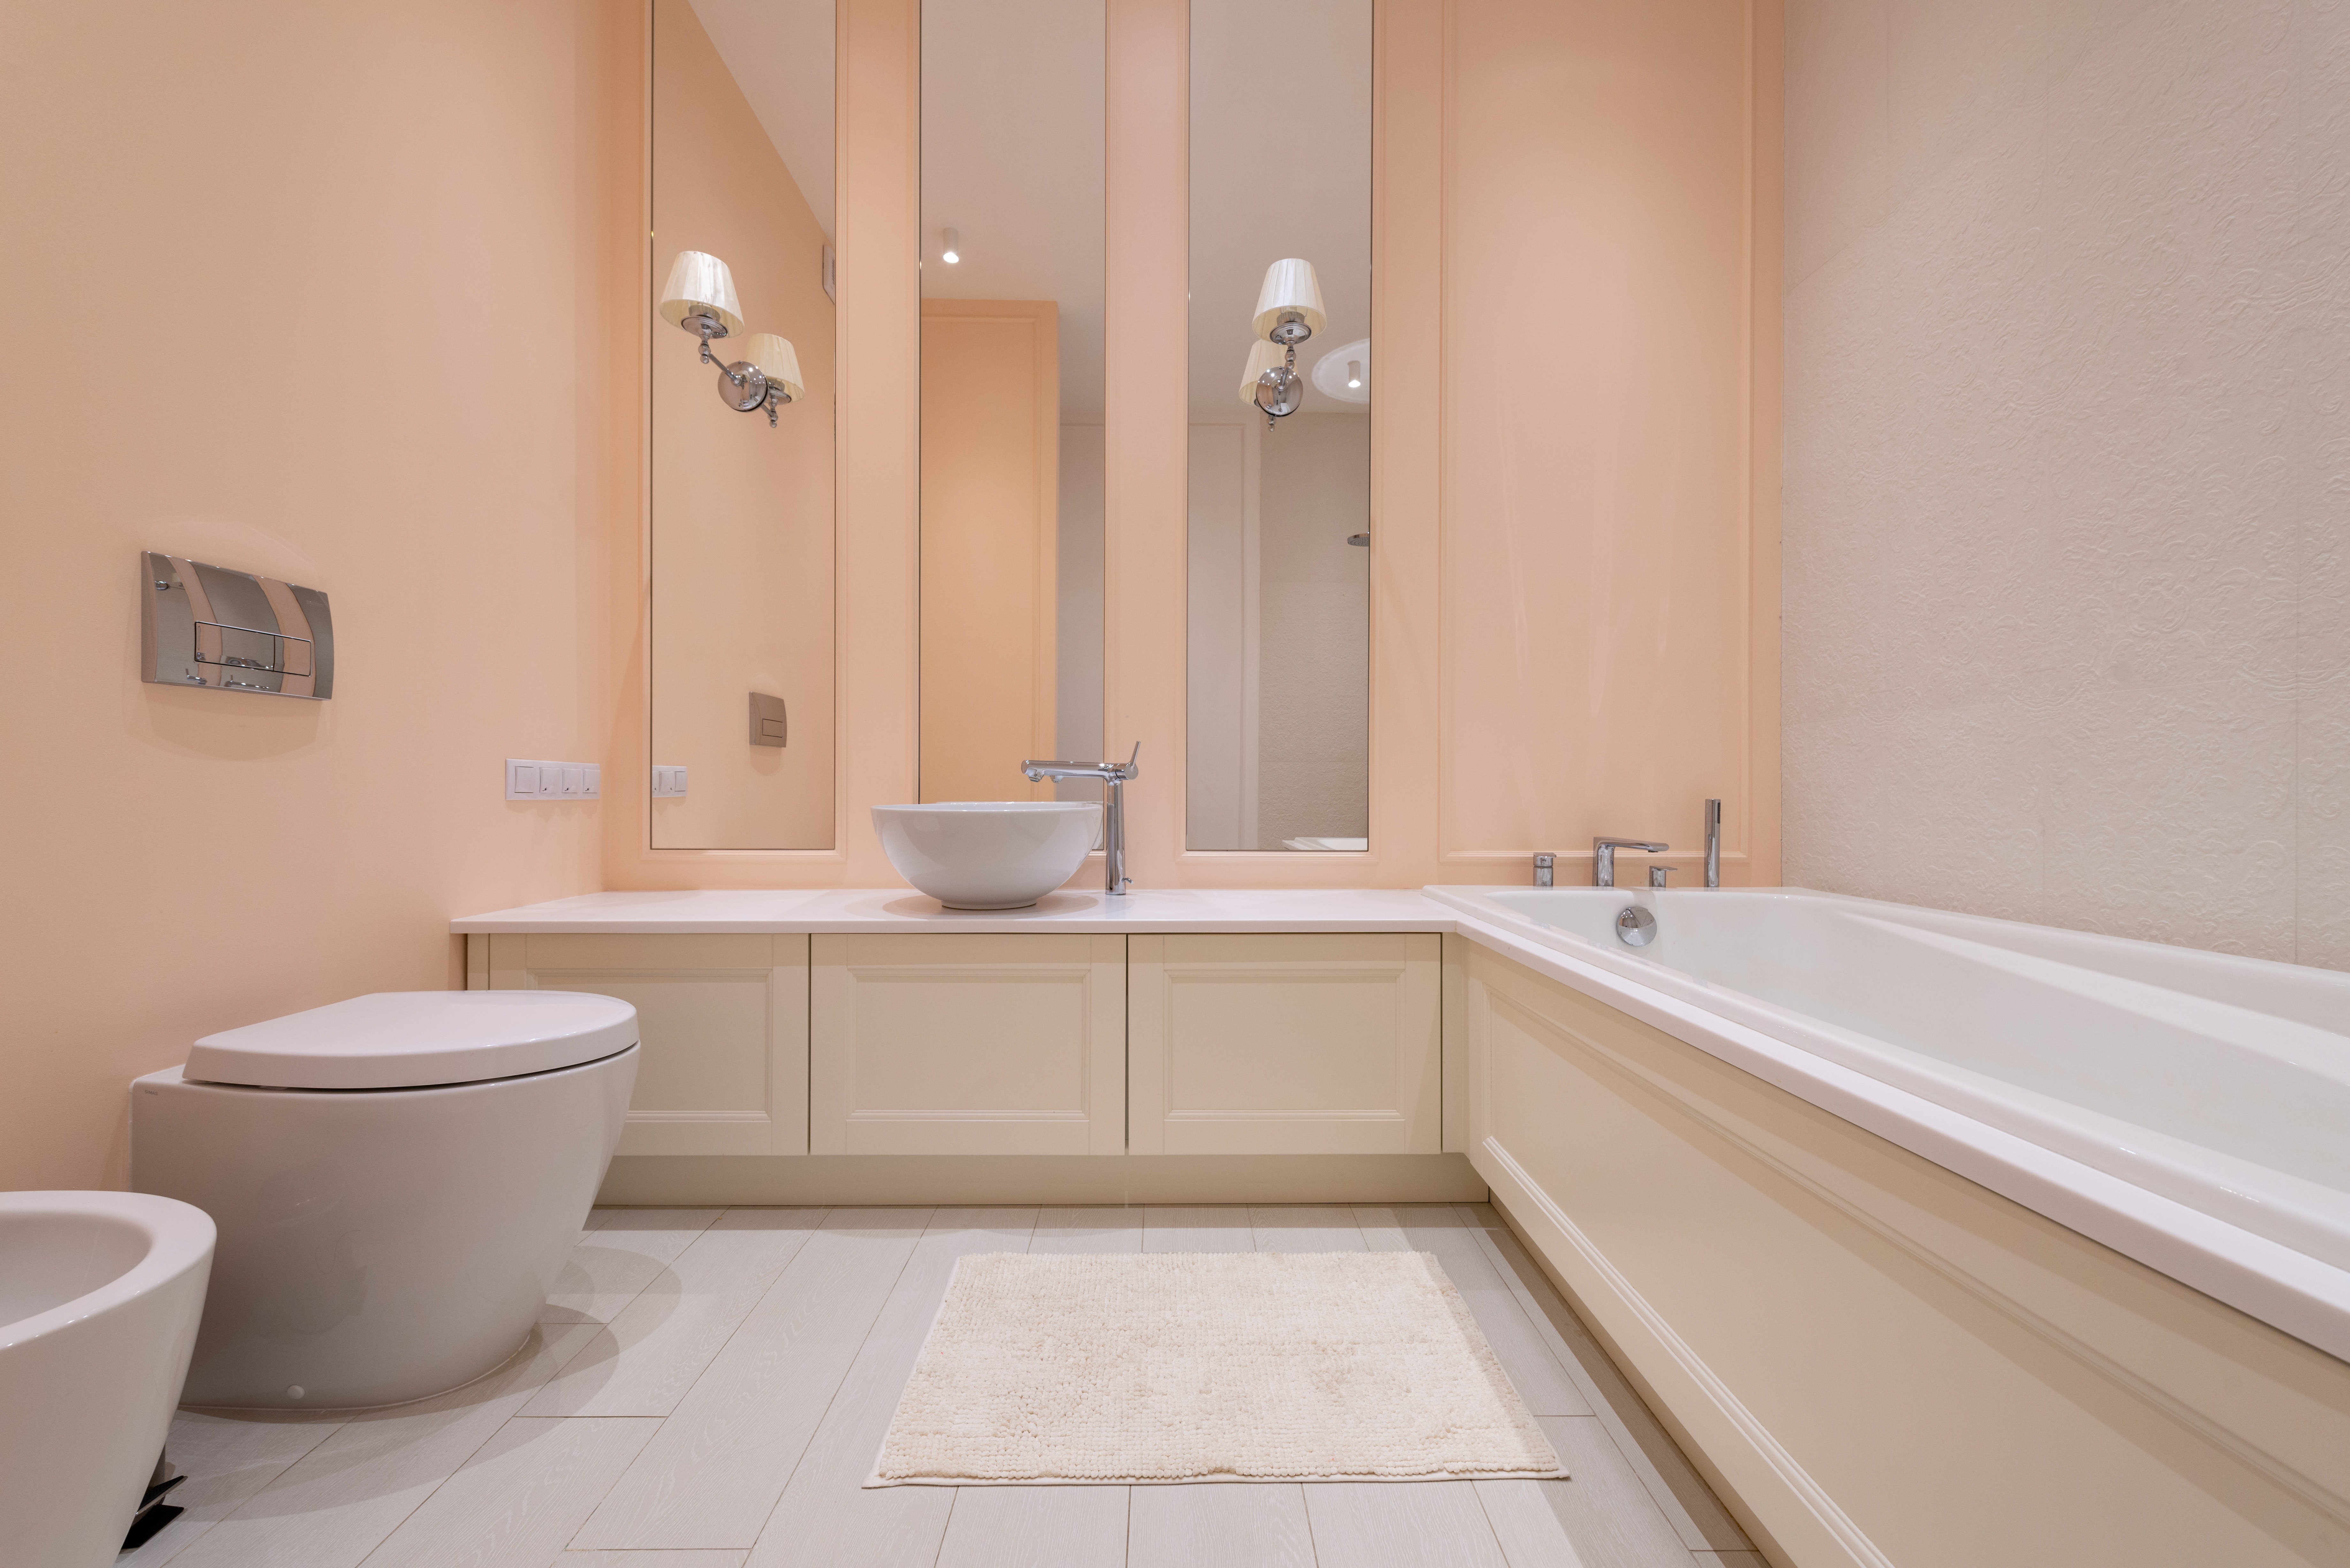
column 100, row 1297
column 2190, row 1109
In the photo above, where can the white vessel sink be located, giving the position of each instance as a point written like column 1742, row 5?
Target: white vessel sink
column 988, row 854
column 100, row 1297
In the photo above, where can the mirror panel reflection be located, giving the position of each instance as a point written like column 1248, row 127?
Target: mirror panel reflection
column 1012, row 150
column 742, row 505
column 1280, row 453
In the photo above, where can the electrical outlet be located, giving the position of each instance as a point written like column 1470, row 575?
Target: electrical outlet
column 669, row 783
column 528, row 778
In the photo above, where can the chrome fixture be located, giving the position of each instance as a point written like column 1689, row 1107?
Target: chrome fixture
column 769, row 726
column 1713, row 844
column 1115, row 777
column 1603, row 856
column 1544, row 865
column 699, row 298
column 1635, row 927
column 201, row 625
column 1656, row 875
column 1289, row 310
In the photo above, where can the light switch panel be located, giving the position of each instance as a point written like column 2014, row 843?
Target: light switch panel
column 669, row 783
column 529, row 778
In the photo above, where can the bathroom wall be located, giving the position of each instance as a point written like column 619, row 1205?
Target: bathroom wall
column 324, row 292
column 2067, row 505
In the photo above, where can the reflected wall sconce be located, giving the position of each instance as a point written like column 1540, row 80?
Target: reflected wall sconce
column 950, row 246
column 1288, row 311
column 699, row 298
column 1266, row 376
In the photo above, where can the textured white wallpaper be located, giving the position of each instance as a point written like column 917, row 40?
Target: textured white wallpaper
column 2067, row 506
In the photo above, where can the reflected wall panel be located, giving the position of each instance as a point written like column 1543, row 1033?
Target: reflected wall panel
column 743, row 538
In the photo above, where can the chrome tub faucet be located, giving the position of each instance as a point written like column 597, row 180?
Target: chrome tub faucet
column 1114, row 777
column 1603, row 856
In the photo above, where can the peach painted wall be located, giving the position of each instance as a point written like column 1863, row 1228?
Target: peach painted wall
column 743, row 554
column 324, row 292
column 1599, row 430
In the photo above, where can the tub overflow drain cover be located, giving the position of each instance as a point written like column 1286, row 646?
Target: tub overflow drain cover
column 1636, row 926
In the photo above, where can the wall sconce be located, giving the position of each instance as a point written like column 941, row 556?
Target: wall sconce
column 699, row 298
column 1288, row 311
column 1268, row 376
column 950, row 246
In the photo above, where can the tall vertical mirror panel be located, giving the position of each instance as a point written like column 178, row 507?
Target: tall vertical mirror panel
column 741, row 325
column 1011, row 147
column 1279, row 526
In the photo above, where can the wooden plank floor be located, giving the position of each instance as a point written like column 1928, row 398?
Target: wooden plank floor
column 708, row 1389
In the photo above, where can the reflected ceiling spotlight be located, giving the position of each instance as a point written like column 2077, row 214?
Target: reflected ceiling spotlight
column 1342, row 374
column 1289, row 311
column 699, row 298
column 950, row 251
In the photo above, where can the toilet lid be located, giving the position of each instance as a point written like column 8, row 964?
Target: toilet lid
column 416, row 1039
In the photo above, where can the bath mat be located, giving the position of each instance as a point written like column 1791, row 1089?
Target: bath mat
column 1162, row 1368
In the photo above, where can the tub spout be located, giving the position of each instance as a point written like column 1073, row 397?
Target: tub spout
column 1603, row 856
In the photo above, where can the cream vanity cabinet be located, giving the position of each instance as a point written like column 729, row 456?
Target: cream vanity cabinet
column 967, row 1043
column 722, row 1023
column 1291, row 1042
column 984, row 1044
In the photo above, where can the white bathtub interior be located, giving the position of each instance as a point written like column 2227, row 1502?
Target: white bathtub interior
column 2219, row 1081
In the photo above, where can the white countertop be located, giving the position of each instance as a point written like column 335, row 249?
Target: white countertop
column 855, row 909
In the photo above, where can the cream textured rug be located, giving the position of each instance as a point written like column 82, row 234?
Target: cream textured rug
column 1206, row 1366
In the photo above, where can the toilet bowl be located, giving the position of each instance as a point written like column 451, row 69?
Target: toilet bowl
column 397, row 1181
column 99, row 1294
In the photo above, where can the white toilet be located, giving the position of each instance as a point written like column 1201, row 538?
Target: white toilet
column 397, row 1181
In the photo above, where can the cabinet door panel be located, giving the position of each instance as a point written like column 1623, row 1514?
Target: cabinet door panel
column 968, row 1044
column 723, row 1029
column 1289, row 1043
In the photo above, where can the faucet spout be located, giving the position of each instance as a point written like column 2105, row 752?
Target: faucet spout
column 1603, row 856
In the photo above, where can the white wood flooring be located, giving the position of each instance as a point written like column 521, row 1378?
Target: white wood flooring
column 708, row 1387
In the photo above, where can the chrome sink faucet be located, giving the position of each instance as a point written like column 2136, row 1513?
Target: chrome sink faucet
column 1603, row 856
column 1114, row 777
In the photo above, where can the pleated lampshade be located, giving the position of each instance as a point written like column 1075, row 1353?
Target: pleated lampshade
column 1264, row 355
column 699, row 283
column 1289, row 285
column 776, row 361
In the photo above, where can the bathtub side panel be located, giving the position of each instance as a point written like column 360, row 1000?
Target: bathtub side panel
column 1880, row 1360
